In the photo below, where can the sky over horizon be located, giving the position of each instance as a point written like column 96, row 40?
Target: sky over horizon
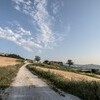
column 53, row 29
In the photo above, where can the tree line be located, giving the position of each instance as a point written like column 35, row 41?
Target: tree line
column 69, row 62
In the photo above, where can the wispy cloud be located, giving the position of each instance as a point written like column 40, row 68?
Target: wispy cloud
column 18, row 36
column 41, row 18
column 56, row 5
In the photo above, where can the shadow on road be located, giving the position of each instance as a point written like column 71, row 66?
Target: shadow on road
column 28, row 93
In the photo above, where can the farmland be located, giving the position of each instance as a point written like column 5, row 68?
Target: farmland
column 83, row 86
column 6, row 61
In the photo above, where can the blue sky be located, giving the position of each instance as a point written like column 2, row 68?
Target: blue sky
column 52, row 29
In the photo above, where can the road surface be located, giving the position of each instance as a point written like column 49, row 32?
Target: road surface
column 27, row 86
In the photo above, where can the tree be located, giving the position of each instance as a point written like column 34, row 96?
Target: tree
column 46, row 62
column 69, row 62
column 37, row 58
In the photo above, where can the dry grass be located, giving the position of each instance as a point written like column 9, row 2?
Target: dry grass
column 86, row 90
column 6, row 61
column 71, row 75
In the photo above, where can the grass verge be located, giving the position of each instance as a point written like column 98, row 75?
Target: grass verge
column 84, row 89
column 6, row 76
column 69, row 69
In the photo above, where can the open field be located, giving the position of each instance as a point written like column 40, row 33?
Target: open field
column 86, row 90
column 89, row 76
column 6, row 61
column 71, row 75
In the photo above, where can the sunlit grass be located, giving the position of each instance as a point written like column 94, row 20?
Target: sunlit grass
column 84, row 89
column 7, row 74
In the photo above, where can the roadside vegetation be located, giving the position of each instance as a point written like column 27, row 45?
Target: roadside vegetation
column 6, row 76
column 86, row 90
column 70, row 75
column 69, row 69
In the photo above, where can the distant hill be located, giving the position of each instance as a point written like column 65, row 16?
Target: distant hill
column 87, row 66
column 7, row 61
column 11, row 55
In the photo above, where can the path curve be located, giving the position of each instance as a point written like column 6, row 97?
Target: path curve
column 27, row 86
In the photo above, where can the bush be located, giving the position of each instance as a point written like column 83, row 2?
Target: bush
column 95, row 71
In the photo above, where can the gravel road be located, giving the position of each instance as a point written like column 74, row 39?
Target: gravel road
column 27, row 86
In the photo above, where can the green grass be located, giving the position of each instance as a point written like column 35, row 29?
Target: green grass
column 84, row 89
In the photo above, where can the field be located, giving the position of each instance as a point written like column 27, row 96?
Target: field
column 83, row 86
column 71, row 75
column 6, row 61
column 8, row 70
column 68, row 73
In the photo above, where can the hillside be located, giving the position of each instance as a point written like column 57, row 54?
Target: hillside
column 11, row 55
column 86, row 66
column 71, row 75
column 6, row 61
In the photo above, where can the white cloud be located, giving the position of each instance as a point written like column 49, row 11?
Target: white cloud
column 18, row 36
column 38, row 12
column 17, row 8
column 55, row 7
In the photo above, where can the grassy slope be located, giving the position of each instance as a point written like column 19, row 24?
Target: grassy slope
column 83, row 89
column 6, row 61
column 66, row 69
column 71, row 75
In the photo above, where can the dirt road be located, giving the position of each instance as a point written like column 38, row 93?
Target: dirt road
column 27, row 86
